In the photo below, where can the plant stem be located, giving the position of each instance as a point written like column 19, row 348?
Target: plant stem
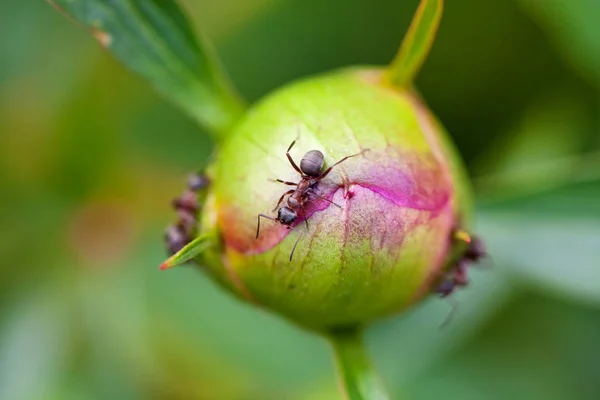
column 359, row 379
column 416, row 44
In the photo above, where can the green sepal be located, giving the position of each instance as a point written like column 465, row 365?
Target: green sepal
column 416, row 44
column 189, row 252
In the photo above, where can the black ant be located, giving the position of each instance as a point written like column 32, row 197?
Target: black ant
column 187, row 205
column 311, row 173
column 457, row 275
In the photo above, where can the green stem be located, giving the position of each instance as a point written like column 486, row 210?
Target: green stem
column 358, row 377
column 416, row 44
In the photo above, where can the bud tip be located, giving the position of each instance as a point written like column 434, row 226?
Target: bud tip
column 462, row 235
column 167, row 264
column 187, row 253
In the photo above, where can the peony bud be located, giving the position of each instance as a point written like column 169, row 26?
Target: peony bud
column 380, row 225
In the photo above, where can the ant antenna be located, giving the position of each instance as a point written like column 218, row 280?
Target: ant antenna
column 258, row 225
column 289, row 227
column 451, row 313
column 324, row 198
column 297, row 240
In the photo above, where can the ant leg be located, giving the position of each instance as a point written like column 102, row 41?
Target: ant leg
column 328, row 170
column 296, row 243
column 291, row 159
column 285, row 182
column 460, row 274
column 446, row 286
column 449, row 317
column 175, row 239
column 187, row 202
column 304, row 215
column 323, row 198
column 258, row 225
column 294, row 229
column 281, row 198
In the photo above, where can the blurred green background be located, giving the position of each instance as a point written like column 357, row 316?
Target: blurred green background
column 90, row 157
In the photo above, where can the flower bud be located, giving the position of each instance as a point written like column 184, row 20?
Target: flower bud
column 373, row 235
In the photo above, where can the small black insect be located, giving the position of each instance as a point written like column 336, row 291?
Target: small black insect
column 457, row 275
column 187, row 205
column 311, row 172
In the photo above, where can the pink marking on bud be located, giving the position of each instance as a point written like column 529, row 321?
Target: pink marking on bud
column 407, row 180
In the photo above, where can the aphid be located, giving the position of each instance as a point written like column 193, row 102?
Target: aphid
column 187, row 205
column 175, row 238
column 311, row 172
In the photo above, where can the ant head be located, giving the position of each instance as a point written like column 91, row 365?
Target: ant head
column 286, row 216
column 476, row 250
column 312, row 163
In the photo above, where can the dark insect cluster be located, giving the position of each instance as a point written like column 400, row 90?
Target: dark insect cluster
column 187, row 206
column 457, row 275
column 311, row 172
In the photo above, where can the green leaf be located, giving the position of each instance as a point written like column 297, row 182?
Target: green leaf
column 416, row 43
column 545, row 149
column 574, row 29
column 190, row 251
column 34, row 344
column 154, row 39
column 527, row 329
column 558, row 254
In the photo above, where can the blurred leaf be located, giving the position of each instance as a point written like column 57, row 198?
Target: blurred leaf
column 33, row 346
column 409, row 344
column 364, row 33
column 550, row 240
column 153, row 38
column 415, row 46
column 158, row 134
column 277, row 357
column 556, row 252
column 536, row 348
column 541, row 152
column 220, row 18
column 539, row 177
column 328, row 391
column 573, row 25
column 137, row 351
column 481, row 48
column 167, row 335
